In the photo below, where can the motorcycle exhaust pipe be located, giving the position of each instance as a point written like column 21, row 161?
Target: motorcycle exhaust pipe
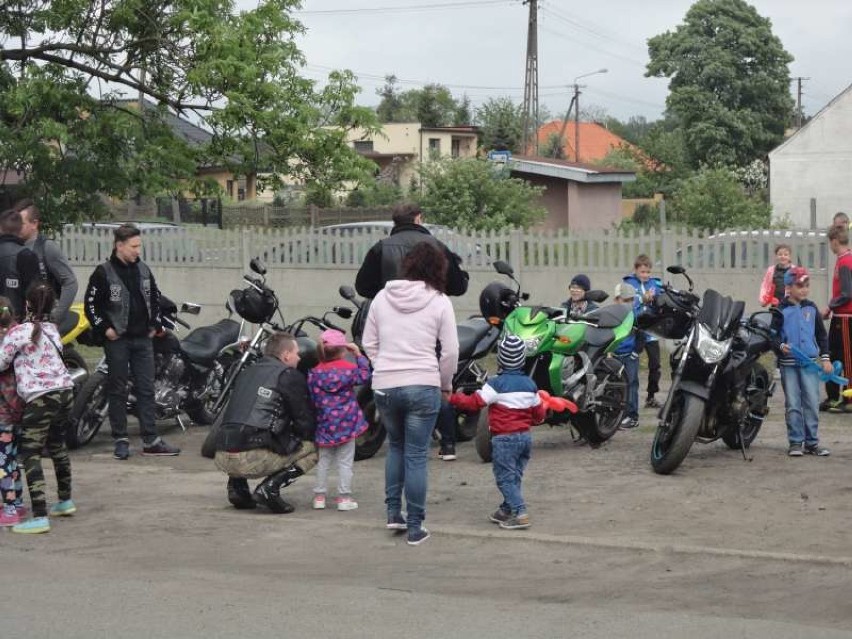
column 78, row 375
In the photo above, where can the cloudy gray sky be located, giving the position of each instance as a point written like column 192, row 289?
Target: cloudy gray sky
column 479, row 48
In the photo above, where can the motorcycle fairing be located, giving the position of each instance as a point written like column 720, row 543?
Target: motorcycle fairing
column 203, row 344
column 720, row 314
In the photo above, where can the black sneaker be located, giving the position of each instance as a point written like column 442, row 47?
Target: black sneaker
column 448, row 452
column 417, row 537
column 122, row 449
column 651, row 402
column 499, row 516
column 396, row 522
column 239, row 494
column 159, row 448
column 263, row 497
column 816, row 449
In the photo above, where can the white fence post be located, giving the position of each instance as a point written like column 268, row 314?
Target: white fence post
column 516, row 251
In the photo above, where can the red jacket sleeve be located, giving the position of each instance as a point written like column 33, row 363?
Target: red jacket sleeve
column 539, row 413
column 468, row 403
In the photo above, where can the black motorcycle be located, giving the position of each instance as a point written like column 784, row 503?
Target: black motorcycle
column 188, row 375
column 477, row 338
column 719, row 389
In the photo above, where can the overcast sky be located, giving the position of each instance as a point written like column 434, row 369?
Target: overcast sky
column 480, row 48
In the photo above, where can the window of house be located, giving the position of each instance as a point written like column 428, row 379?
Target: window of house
column 434, row 147
column 363, row 146
column 455, row 150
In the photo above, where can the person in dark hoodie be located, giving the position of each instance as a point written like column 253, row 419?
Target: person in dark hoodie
column 383, row 263
column 802, row 329
column 122, row 303
column 19, row 266
column 408, row 319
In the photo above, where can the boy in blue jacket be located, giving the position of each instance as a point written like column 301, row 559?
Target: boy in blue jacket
column 647, row 288
column 804, row 330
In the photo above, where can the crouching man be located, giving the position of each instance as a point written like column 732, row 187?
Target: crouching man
column 267, row 429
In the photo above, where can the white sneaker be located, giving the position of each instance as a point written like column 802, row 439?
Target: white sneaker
column 319, row 501
column 346, row 503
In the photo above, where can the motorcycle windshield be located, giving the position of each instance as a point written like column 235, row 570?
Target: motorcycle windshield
column 720, row 314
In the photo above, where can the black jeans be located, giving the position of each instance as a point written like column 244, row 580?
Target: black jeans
column 446, row 424
column 134, row 355
column 839, row 348
column 653, row 351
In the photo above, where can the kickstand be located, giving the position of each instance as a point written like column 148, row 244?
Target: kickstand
column 180, row 423
column 742, row 443
column 578, row 438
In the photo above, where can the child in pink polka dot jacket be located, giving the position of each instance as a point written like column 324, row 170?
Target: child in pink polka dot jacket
column 340, row 421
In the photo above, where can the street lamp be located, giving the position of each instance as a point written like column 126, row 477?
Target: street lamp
column 576, row 101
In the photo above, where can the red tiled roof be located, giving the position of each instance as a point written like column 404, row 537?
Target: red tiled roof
column 595, row 140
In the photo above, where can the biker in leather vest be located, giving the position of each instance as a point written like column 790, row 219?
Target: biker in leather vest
column 270, row 408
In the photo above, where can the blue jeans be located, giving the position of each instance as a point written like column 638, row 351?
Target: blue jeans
column 801, row 404
column 631, row 369
column 409, row 414
column 447, row 424
column 510, row 455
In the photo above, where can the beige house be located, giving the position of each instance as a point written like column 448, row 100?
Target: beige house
column 401, row 147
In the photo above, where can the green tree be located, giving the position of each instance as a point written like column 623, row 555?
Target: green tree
column 472, row 193
column 65, row 68
column 713, row 198
column 501, row 123
column 554, row 147
column 463, row 114
column 391, row 107
column 729, row 82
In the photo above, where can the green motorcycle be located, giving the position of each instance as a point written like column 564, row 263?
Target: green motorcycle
column 568, row 356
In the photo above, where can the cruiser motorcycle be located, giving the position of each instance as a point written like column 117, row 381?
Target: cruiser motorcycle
column 719, row 388
column 188, row 375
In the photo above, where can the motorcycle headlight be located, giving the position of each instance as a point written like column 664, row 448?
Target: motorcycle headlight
column 712, row 351
column 531, row 344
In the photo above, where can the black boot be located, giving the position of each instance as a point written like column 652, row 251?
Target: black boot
column 239, row 494
column 267, row 492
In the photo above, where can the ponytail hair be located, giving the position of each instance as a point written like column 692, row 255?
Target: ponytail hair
column 40, row 300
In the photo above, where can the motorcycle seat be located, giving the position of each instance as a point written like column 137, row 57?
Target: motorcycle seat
column 470, row 332
column 203, row 344
column 598, row 336
column 608, row 316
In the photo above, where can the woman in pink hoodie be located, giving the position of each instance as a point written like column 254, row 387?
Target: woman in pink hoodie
column 411, row 339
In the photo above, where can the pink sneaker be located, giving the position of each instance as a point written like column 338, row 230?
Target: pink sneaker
column 319, row 501
column 346, row 503
column 9, row 520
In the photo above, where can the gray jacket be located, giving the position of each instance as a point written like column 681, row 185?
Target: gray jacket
column 54, row 268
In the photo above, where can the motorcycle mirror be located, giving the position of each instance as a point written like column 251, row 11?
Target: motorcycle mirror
column 257, row 266
column 525, row 296
column 190, row 308
column 346, row 292
column 597, row 296
column 342, row 311
column 503, row 268
column 676, row 269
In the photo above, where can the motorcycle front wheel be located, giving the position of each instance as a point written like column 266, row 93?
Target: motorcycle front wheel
column 674, row 437
column 201, row 411
column 208, row 448
column 89, row 411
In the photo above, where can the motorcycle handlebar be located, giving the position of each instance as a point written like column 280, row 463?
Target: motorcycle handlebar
column 181, row 322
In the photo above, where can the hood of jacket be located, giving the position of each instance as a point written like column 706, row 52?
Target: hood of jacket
column 408, row 296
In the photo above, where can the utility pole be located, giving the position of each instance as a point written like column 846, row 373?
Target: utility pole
column 530, row 120
column 576, row 101
column 799, row 114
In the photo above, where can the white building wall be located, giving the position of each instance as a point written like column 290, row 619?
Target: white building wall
column 815, row 163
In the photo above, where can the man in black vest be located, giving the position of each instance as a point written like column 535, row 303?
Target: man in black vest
column 18, row 264
column 122, row 303
column 384, row 262
column 267, row 429
column 53, row 265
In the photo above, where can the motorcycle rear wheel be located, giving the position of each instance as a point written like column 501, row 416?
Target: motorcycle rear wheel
column 72, row 359
column 89, row 411
column 760, row 380
column 601, row 423
column 369, row 443
column 483, row 437
column 673, row 440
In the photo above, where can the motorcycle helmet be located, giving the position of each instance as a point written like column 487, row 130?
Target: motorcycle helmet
column 496, row 301
column 252, row 305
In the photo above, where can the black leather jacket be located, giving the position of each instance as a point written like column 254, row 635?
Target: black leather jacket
column 270, row 408
column 384, row 260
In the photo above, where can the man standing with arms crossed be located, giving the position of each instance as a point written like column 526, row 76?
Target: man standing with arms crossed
column 53, row 266
column 123, row 304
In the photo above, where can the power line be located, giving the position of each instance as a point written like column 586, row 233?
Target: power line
column 579, row 25
column 465, row 4
column 612, row 54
